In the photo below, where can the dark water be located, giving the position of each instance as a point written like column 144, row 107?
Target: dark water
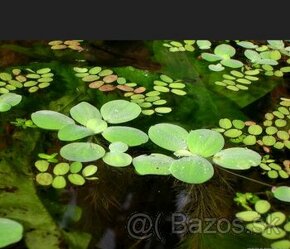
column 122, row 209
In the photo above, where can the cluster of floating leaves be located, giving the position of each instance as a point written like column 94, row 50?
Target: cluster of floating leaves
column 239, row 80
column 273, row 170
column 8, row 100
column 187, row 45
column 274, row 132
column 28, row 78
column 69, row 44
column 261, row 219
column 106, row 80
column 63, row 172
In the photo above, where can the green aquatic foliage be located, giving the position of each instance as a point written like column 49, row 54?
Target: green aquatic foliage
column 32, row 80
column 282, row 193
column 272, row 169
column 223, row 53
column 10, row 232
column 69, row 44
column 51, row 158
column 263, row 219
column 106, row 80
column 195, row 149
column 8, row 100
column 94, row 122
column 273, row 132
column 180, row 46
column 58, row 174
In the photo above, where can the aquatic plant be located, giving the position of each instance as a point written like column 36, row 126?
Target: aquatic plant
column 62, row 172
column 93, row 122
column 8, row 100
column 23, row 123
column 106, row 80
column 198, row 149
column 28, row 78
column 10, row 232
column 272, row 169
column 69, row 44
column 273, row 132
column 263, row 219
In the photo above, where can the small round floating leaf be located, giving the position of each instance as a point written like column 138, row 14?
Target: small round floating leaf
column 262, row 206
column 178, row 92
column 224, row 50
column 128, row 135
column 250, row 140
column 83, row 112
column 41, row 165
column 44, row 179
column 247, row 44
column 168, row 136
column 248, row 216
column 97, row 125
column 118, row 147
column 205, row 142
column 237, row 158
column 257, row 227
column 283, row 135
column 147, row 104
column 89, row 170
column 11, row 98
column 90, row 78
column 59, row 182
column 4, row 107
column 154, row 164
column 117, row 159
column 281, row 244
column 148, row 112
column 105, row 72
column 120, row 111
column 163, row 110
column 161, row 89
column 50, row 120
column 252, row 72
column 287, row 227
column 276, row 218
column 75, row 167
column 121, row 80
column 211, row 58
column 233, row 133
column 233, row 88
column 273, row 174
column 45, row 80
column 273, row 233
column 10, row 232
column 95, row 70
column 283, row 174
column 30, row 83
column 166, row 78
column 82, row 152
column 239, row 124
column 268, row 140
column 282, row 193
column 228, row 77
column 255, row 130
column 5, row 76
column 152, row 98
column 110, row 78
column 76, row 179
column 61, row 169
column 203, row 44
column 225, row 123
column 177, row 85
column 96, row 84
column 192, row 169
column 152, row 94
column 43, row 70
column 271, row 130
column 244, row 81
column 80, row 69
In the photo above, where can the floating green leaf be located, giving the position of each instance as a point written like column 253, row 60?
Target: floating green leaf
column 74, row 132
column 192, row 169
column 248, row 215
column 205, row 142
column 117, row 159
column 168, row 136
column 237, row 158
column 50, row 120
column 83, row 112
column 120, row 111
column 10, row 232
column 154, row 164
column 89, row 170
column 76, row 179
column 82, row 152
column 282, row 193
column 128, row 135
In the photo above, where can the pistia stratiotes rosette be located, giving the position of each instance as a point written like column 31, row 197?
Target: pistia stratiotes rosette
column 93, row 122
column 196, row 150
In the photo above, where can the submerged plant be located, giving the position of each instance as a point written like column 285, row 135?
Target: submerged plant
column 197, row 150
column 8, row 100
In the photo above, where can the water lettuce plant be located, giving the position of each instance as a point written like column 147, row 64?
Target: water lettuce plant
column 92, row 122
column 196, row 150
